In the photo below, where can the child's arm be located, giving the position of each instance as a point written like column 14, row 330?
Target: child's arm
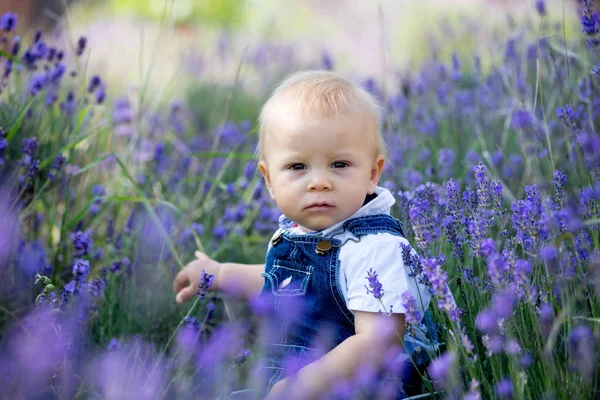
column 375, row 334
column 241, row 280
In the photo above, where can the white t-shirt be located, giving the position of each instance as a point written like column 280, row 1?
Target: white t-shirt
column 381, row 252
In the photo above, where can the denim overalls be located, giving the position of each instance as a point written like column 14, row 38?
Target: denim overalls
column 303, row 294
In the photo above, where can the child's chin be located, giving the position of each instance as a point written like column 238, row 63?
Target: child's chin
column 319, row 225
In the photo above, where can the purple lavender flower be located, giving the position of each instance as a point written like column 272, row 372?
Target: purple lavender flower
column 486, row 321
column 376, row 288
column 95, row 82
column 82, row 244
column 8, row 21
column 70, row 104
column 473, row 393
column 206, row 281
column 96, row 287
column 526, row 217
column 451, row 227
column 503, row 303
column 424, row 216
column 242, row 356
column 37, row 83
column 113, row 344
column 81, row 43
column 445, row 160
column 101, row 94
column 129, row 224
column 587, row 203
column 581, row 351
column 81, row 269
column 441, row 368
column 3, row 146
column 412, row 315
column 589, row 22
column 438, row 280
column 546, row 318
column 548, row 253
column 521, row 279
column 540, row 7
column 16, row 46
column 504, row 388
column 29, row 149
column 477, row 229
column 569, row 117
column 522, row 119
column 583, row 246
column 34, row 168
column 560, row 181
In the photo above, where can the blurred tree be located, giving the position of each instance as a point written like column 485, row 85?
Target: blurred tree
column 39, row 13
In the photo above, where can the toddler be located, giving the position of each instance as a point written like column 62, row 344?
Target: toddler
column 321, row 154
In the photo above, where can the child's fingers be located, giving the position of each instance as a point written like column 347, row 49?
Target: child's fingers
column 181, row 281
column 200, row 255
column 185, row 294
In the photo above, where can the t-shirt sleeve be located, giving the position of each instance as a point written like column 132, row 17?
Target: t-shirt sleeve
column 383, row 254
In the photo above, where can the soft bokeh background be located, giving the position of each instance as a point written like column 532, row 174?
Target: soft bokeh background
column 163, row 43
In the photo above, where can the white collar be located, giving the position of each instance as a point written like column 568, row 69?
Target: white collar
column 379, row 205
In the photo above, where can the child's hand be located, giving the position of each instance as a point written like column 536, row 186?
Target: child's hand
column 186, row 281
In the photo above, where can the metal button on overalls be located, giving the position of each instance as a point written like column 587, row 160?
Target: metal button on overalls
column 323, row 247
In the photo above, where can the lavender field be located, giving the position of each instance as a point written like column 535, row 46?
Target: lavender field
column 494, row 161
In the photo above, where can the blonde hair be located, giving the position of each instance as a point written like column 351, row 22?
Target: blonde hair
column 322, row 94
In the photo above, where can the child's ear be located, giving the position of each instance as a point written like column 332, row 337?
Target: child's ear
column 264, row 170
column 376, row 169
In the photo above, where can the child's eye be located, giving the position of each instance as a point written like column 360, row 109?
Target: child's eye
column 340, row 164
column 296, row 167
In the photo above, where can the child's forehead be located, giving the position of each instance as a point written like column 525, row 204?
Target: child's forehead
column 291, row 104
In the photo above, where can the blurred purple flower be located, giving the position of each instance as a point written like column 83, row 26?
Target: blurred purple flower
column 581, row 351
column 504, row 389
column 113, row 344
column 81, row 44
column 441, row 368
column 95, row 82
column 412, row 315
column 115, row 374
column 28, row 150
column 37, row 83
column 82, row 244
column 8, row 21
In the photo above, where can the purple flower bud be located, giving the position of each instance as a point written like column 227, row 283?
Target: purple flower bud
column 504, row 389
column 441, row 367
column 581, row 351
column 206, row 281
column 95, row 81
column 8, row 21
column 81, row 269
column 376, row 288
column 81, row 43
column 486, row 321
column 16, row 46
column 82, row 244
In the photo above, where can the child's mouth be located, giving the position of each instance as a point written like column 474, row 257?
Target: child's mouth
column 319, row 207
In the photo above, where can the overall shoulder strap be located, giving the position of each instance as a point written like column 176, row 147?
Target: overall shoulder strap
column 370, row 224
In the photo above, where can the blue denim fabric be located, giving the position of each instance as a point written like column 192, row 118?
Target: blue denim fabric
column 302, row 291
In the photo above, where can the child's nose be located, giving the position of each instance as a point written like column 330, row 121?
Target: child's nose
column 318, row 182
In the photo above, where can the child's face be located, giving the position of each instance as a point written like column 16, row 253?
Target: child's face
column 319, row 170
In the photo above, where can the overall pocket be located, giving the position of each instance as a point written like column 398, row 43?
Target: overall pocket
column 289, row 278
